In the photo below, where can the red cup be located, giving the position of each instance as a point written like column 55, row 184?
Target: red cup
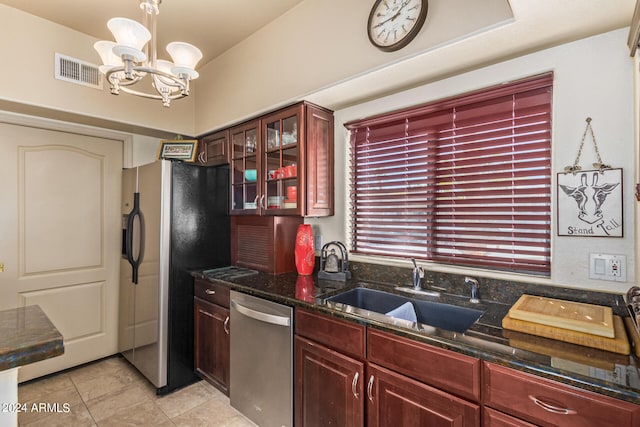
column 292, row 192
column 289, row 171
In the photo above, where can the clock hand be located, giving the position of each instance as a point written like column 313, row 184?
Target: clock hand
column 395, row 15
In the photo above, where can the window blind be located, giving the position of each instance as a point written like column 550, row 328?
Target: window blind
column 463, row 181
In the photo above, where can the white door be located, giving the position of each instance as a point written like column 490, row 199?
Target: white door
column 60, row 236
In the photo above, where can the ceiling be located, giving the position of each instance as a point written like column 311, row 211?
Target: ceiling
column 212, row 25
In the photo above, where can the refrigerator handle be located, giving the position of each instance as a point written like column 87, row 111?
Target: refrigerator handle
column 135, row 259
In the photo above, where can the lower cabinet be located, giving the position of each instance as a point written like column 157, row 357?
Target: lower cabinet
column 396, row 400
column 212, row 329
column 337, row 385
column 329, row 388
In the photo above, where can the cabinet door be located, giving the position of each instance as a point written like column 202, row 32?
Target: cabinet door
column 281, row 144
column 329, row 387
column 246, row 194
column 396, row 400
column 318, row 155
column 211, row 324
column 214, row 149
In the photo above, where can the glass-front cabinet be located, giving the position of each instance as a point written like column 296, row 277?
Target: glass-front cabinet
column 282, row 163
column 281, row 157
column 245, row 166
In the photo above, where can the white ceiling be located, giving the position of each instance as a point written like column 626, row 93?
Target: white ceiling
column 212, row 25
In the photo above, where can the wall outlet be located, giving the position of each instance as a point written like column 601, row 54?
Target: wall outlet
column 608, row 267
column 317, row 241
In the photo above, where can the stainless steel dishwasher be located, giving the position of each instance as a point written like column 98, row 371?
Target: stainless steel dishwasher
column 261, row 377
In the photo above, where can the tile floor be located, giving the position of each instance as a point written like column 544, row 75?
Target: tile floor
column 110, row 392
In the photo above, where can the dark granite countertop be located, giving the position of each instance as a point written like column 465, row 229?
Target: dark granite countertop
column 590, row 369
column 26, row 336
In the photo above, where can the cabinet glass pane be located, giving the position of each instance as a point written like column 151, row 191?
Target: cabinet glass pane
column 290, row 130
column 238, row 145
column 251, row 140
column 273, row 135
column 290, row 192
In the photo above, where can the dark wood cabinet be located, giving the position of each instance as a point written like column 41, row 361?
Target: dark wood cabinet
column 264, row 243
column 397, row 400
column 213, row 149
column 212, row 333
column 329, row 387
column 548, row 403
column 282, row 163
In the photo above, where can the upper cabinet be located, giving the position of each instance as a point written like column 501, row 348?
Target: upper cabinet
column 282, row 163
column 213, row 149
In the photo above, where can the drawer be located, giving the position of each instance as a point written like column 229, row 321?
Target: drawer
column 456, row 373
column 213, row 292
column 346, row 337
column 549, row 403
column 493, row 418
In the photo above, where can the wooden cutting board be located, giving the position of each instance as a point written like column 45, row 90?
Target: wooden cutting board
column 619, row 344
column 633, row 333
column 575, row 316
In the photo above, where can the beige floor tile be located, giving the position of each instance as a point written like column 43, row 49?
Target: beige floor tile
column 117, row 401
column 77, row 416
column 185, row 399
column 37, row 389
column 213, row 413
column 52, row 404
column 144, row 414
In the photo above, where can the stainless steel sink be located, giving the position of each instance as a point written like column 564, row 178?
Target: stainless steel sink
column 441, row 315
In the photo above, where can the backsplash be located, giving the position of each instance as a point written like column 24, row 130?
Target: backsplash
column 503, row 291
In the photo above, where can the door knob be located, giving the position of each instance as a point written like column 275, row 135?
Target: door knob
column 1, row 267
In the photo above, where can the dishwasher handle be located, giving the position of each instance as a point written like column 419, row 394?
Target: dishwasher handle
column 260, row 316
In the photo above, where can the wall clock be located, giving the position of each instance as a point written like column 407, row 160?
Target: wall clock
column 394, row 23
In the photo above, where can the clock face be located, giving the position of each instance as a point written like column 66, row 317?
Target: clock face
column 394, row 23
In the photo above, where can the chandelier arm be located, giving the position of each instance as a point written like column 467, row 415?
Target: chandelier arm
column 182, row 83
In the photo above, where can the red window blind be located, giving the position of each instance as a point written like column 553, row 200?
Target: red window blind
column 465, row 180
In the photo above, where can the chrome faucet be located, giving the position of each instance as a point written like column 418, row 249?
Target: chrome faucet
column 418, row 275
column 474, row 288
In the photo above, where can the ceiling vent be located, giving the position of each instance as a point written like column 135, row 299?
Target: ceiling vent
column 73, row 70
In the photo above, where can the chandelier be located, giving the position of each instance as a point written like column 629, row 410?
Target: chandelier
column 133, row 56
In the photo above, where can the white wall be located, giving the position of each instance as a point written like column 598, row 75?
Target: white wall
column 593, row 77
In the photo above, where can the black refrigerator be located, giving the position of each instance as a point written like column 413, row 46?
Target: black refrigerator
column 175, row 220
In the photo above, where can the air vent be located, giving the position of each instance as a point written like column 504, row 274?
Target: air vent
column 73, row 70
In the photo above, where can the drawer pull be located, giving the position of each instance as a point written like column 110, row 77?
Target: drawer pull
column 206, row 313
column 354, row 385
column 551, row 408
column 370, row 388
column 209, row 291
column 226, row 325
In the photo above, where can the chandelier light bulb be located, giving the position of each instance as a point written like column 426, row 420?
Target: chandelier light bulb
column 185, row 58
column 131, row 36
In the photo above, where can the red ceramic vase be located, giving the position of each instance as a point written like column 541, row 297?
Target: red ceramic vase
column 305, row 252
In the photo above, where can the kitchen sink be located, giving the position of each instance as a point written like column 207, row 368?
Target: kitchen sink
column 363, row 301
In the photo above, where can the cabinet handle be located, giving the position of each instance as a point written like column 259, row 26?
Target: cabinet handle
column 370, row 388
column 209, row 291
column 262, row 203
column 354, row 385
column 551, row 408
column 226, row 325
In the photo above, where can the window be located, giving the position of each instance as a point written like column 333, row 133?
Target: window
column 465, row 180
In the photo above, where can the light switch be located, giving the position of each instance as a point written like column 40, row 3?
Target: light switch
column 600, row 266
